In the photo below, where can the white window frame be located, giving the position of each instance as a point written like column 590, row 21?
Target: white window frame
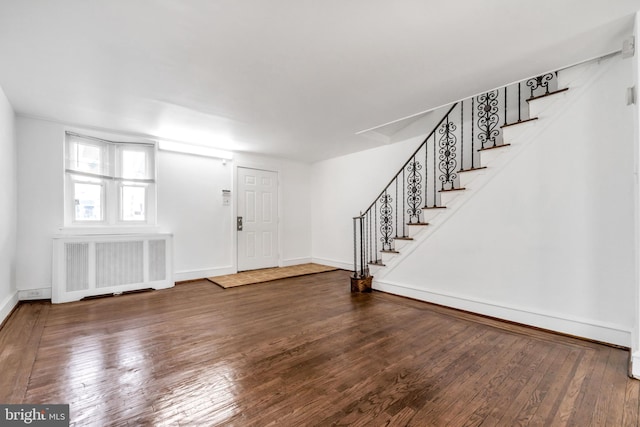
column 111, row 182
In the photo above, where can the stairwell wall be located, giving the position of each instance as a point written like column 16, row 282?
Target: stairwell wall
column 8, row 212
column 550, row 240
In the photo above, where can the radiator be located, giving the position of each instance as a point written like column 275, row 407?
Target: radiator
column 104, row 264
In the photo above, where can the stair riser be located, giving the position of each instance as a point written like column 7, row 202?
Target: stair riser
column 516, row 133
column 488, row 157
column 539, row 107
column 386, row 257
column 417, row 230
column 467, row 178
column 430, row 214
column 448, row 196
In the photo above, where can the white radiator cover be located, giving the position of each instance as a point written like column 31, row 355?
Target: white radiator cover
column 91, row 265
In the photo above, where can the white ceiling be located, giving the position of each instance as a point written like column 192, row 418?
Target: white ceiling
column 290, row 78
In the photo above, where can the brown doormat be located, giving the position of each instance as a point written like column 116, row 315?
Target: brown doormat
column 268, row 274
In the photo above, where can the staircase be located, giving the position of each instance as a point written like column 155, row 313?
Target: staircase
column 516, row 205
column 463, row 147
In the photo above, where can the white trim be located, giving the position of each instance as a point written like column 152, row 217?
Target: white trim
column 580, row 327
column 180, row 276
column 7, row 305
column 296, row 261
column 100, row 230
column 635, row 365
column 333, row 263
column 34, row 294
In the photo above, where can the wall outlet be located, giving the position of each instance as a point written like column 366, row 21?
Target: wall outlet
column 34, row 293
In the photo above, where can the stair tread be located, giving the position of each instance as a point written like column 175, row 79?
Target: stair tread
column 548, row 94
column 493, row 148
column 472, row 169
column 403, row 238
column 452, row 189
column 378, row 263
column 434, row 207
column 519, row 123
column 389, row 251
column 417, row 223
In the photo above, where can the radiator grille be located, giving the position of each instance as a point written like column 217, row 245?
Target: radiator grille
column 77, row 266
column 157, row 260
column 102, row 264
column 119, row 263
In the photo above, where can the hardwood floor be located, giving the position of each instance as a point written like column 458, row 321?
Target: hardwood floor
column 303, row 351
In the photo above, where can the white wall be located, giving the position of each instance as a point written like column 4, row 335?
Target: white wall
column 635, row 342
column 189, row 206
column 549, row 242
column 8, row 212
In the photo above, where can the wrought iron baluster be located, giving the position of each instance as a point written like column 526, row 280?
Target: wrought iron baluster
column 370, row 241
column 505, row 106
column 434, row 170
column 473, row 153
column 414, row 187
column 461, row 135
column 426, row 172
column 403, row 204
column 488, row 117
column 362, row 267
column 447, row 153
column 540, row 82
column 367, row 235
column 375, row 228
column 355, row 264
column 386, row 221
column 519, row 103
column 396, row 216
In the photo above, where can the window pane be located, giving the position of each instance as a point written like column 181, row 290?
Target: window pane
column 88, row 201
column 88, row 158
column 133, row 203
column 134, row 164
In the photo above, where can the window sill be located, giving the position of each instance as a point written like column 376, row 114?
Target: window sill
column 83, row 230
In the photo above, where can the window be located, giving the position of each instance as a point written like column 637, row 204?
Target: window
column 109, row 183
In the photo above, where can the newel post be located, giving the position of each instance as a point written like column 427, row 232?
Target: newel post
column 361, row 279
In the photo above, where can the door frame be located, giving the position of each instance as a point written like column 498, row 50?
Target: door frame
column 269, row 167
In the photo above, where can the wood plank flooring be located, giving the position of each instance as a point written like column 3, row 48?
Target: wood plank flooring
column 303, row 351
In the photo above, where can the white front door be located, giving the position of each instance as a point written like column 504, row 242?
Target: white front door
column 258, row 212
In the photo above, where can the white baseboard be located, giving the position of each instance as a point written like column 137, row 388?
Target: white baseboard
column 31, row 294
column 296, row 261
column 635, row 365
column 594, row 330
column 7, row 305
column 333, row 263
column 180, row 276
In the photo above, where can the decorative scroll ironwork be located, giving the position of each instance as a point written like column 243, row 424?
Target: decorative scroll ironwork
column 386, row 221
column 414, row 188
column 447, row 153
column 540, row 82
column 488, row 117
